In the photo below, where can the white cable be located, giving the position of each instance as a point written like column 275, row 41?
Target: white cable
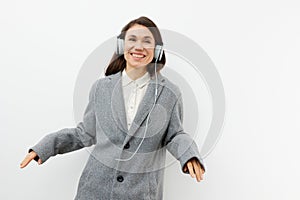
column 147, row 117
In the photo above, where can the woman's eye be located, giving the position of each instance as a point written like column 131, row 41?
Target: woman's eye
column 131, row 39
column 148, row 41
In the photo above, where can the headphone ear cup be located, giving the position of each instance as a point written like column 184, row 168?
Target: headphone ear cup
column 158, row 52
column 120, row 46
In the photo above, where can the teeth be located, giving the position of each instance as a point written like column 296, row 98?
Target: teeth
column 137, row 55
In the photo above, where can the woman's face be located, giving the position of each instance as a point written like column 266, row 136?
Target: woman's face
column 139, row 46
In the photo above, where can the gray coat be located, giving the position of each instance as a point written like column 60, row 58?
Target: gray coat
column 104, row 125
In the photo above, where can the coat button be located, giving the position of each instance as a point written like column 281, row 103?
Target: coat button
column 120, row 178
column 127, row 146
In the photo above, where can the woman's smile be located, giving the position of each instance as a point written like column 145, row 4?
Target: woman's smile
column 137, row 56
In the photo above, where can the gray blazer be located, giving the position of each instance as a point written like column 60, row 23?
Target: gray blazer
column 104, row 125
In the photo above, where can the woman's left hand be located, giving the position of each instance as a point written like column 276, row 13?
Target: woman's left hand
column 194, row 167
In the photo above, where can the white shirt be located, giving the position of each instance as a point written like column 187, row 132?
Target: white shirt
column 133, row 91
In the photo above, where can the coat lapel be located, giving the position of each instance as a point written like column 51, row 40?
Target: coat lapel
column 145, row 105
column 117, row 102
column 118, row 105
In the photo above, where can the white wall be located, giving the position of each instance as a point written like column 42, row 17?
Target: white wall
column 254, row 45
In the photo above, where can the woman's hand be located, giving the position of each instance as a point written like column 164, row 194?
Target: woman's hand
column 193, row 166
column 30, row 156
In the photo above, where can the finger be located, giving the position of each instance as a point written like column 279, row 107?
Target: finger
column 27, row 160
column 191, row 169
column 202, row 173
column 197, row 170
column 184, row 168
column 40, row 161
column 202, row 168
column 29, row 157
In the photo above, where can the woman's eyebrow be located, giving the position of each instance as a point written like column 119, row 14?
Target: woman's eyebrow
column 148, row 37
column 132, row 36
column 145, row 37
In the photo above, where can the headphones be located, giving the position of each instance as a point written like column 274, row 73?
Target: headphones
column 158, row 51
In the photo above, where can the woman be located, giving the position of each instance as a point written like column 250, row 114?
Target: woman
column 134, row 114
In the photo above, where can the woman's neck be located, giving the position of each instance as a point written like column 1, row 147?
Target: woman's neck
column 135, row 73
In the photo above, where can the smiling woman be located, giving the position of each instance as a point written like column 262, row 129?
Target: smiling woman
column 140, row 36
column 133, row 116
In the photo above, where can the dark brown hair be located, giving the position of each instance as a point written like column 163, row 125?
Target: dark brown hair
column 118, row 63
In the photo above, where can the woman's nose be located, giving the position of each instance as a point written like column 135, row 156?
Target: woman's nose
column 138, row 45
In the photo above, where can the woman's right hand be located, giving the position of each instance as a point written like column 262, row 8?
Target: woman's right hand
column 29, row 157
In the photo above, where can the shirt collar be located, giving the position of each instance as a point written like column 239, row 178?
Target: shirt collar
column 126, row 80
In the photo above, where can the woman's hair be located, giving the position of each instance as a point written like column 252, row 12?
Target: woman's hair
column 118, row 63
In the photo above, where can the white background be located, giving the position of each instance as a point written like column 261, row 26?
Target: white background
column 254, row 44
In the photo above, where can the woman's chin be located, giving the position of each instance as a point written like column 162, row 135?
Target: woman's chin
column 138, row 65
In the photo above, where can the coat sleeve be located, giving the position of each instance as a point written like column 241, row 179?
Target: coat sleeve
column 70, row 139
column 178, row 142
